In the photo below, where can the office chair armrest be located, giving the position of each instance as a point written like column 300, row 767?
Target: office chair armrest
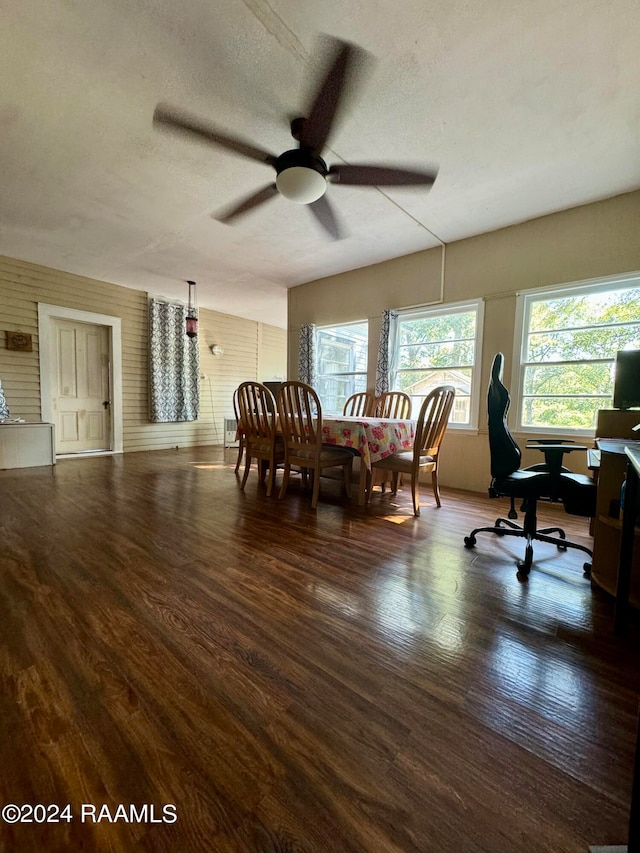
column 554, row 451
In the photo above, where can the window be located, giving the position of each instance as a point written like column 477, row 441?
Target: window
column 570, row 337
column 341, row 363
column 441, row 346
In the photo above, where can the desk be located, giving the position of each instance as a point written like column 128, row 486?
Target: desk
column 607, row 528
column 371, row 438
column 593, row 460
column 627, row 537
column 631, row 511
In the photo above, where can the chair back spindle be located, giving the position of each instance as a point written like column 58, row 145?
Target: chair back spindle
column 433, row 419
column 300, row 415
column 393, row 404
column 360, row 405
column 257, row 408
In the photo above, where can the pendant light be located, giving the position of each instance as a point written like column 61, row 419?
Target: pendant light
column 192, row 311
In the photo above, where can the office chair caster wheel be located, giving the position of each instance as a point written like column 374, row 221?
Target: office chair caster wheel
column 524, row 566
column 586, row 570
column 469, row 541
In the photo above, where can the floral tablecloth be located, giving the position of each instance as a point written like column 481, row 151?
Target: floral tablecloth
column 373, row 438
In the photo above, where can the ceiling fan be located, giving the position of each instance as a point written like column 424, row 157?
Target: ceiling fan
column 302, row 176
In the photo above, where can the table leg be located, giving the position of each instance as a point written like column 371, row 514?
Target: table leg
column 362, row 485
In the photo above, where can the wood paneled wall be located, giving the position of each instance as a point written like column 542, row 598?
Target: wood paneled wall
column 251, row 351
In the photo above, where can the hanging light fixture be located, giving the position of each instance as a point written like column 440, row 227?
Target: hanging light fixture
column 192, row 311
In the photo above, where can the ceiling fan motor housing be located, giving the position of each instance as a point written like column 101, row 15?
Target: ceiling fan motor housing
column 301, row 175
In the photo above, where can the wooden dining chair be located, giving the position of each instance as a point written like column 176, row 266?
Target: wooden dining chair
column 390, row 404
column 360, row 405
column 239, row 430
column 393, row 404
column 259, row 423
column 300, row 415
column 430, row 429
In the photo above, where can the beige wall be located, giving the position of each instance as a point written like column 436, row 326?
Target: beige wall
column 251, row 350
column 599, row 239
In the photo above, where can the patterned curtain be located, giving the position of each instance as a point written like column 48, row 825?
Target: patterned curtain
column 4, row 408
column 307, row 354
column 387, row 352
column 174, row 365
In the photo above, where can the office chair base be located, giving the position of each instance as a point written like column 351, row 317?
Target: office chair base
column 501, row 521
column 524, row 566
column 543, row 530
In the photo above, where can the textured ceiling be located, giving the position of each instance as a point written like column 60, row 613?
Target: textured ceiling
column 525, row 108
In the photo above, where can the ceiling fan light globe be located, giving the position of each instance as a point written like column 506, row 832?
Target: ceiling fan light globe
column 301, row 184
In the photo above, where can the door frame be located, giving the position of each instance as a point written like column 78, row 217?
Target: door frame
column 48, row 313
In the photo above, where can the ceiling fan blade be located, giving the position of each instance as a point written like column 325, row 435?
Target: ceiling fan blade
column 320, row 117
column 228, row 214
column 325, row 215
column 180, row 121
column 380, row 176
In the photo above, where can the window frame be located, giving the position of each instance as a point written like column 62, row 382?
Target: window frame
column 441, row 310
column 524, row 301
column 338, row 375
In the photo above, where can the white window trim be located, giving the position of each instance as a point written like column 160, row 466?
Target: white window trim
column 455, row 308
column 523, row 302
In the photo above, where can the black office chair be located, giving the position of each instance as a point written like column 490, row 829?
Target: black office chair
column 549, row 481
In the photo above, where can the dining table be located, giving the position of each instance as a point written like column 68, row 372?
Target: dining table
column 371, row 438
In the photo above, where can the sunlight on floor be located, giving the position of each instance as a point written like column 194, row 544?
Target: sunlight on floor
column 208, row 465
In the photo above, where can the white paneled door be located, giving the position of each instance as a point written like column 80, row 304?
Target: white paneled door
column 80, row 384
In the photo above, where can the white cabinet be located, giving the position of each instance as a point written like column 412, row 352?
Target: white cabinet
column 26, row 445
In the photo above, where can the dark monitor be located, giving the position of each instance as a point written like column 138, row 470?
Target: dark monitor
column 274, row 387
column 626, row 385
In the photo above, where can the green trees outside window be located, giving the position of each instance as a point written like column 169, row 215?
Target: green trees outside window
column 438, row 348
column 569, row 349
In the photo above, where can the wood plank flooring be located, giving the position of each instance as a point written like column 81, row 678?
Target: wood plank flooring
column 350, row 680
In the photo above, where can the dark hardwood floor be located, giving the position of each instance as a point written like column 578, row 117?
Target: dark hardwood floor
column 341, row 680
